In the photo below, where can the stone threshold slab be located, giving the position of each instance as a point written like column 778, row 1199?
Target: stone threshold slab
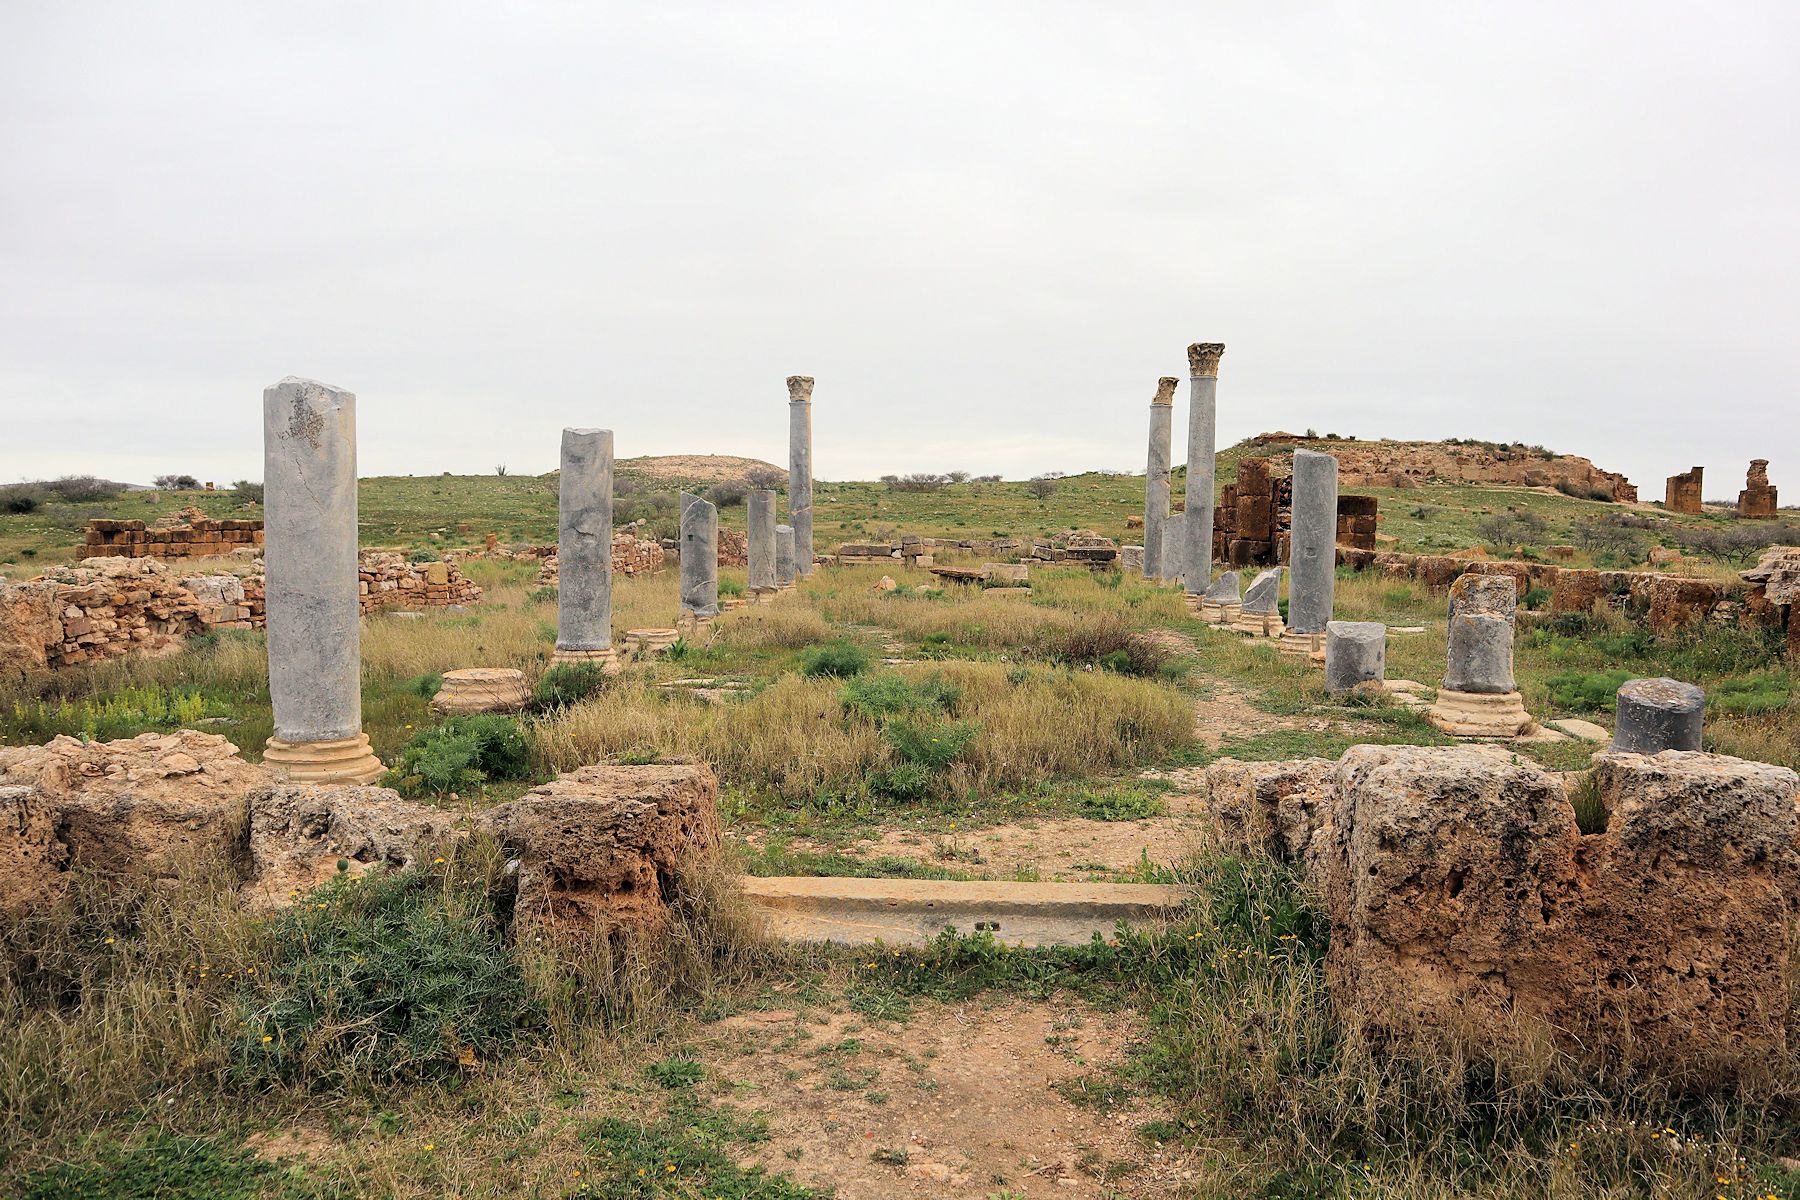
column 911, row 912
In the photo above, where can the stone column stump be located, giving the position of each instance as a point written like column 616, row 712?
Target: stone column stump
column 1479, row 698
column 1656, row 715
column 1355, row 654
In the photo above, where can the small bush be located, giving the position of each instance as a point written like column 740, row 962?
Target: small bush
column 1108, row 642
column 730, row 587
column 1129, row 802
column 566, row 684
column 424, row 686
column 423, row 556
column 19, row 498
column 387, row 978
column 880, row 697
column 543, row 595
column 837, row 660
column 728, row 494
column 931, row 744
column 1537, row 597
column 249, row 491
column 1752, row 695
column 177, row 483
column 75, row 489
column 166, row 1165
column 462, row 753
column 1582, row 691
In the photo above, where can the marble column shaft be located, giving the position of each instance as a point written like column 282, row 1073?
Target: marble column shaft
column 309, row 552
column 584, row 551
column 800, row 476
column 784, row 555
column 1156, row 474
column 1312, row 546
column 699, row 557
column 1174, row 545
column 1203, row 400
column 760, row 540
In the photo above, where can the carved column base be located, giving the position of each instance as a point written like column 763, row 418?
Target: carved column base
column 344, row 760
column 1480, row 714
column 482, row 689
column 647, row 643
column 1303, row 645
column 607, row 660
column 1265, row 625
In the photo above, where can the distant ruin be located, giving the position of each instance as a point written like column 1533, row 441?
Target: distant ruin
column 1757, row 501
column 1681, row 493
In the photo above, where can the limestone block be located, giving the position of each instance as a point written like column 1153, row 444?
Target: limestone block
column 1279, row 808
column 482, row 689
column 1480, row 714
column 33, row 860
column 1482, row 609
column 603, row 847
column 300, row 833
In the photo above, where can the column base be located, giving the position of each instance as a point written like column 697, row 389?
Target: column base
column 607, row 660
column 1310, row 646
column 344, row 760
column 647, row 643
column 482, row 689
column 1262, row 625
column 1480, row 714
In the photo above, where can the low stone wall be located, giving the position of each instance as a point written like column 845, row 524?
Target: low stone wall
column 630, row 556
column 1465, row 901
column 199, row 536
column 106, row 607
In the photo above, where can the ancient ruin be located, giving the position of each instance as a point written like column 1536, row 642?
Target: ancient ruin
column 1355, row 654
column 699, row 559
column 1203, row 402
column 1157, row 475
column 1312, row 554
column 1681, row 493
column 313, row 610
column 1757, row 501
column 800, row 477
column 584, row 549
column 187, row 534
column 1654, row 715
column 760, row 518
column 1479, row 697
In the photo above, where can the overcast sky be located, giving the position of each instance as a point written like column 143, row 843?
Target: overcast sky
column 985, row 228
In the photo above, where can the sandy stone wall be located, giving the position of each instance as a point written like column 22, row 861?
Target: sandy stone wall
column 1408, row 464
column 1252, row 520
column 1757, row 501
column 632, row 555
column 1681, row 493
column 191, row 534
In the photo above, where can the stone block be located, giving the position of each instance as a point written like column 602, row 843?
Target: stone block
column 1355, row 654
column 1282, row 809
column 300, row 833
column 1654, row 715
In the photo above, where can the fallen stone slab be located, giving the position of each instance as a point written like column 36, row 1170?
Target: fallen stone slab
column 911, row 912
column 1587, row 731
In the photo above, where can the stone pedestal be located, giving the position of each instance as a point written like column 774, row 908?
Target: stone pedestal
column 1259, row 615
column 1309, row 646
column 1658, row 714
column 800, row 477
column 1480, row 714
column 607, row 660
column 1355, row 653
column 584, row 553
column 482, row 689
column 648, row 643
column 1312, row 542
column 1482, row 612
column 1197, row 529
column 1220, row 594
column 1156, row 475
column 311, row 584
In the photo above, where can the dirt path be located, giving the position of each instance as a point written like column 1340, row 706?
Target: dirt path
column 964, row 1100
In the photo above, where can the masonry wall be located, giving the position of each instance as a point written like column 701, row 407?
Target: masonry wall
column 197, row 537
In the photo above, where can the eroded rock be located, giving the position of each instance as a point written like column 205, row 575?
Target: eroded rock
column 300, row 833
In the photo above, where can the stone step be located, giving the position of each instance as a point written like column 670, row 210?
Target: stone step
column 910, row 912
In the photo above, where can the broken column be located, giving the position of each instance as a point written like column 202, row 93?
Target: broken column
column 311, row 586
column 800, row 479
column 1220, row 603
column 1479, row 697
column 1174, row 545
column 1197, row 537
column 1156, row 475
column 699, row 559
column 1681, row 493
column 1654, row 715
column 584, row 550
column 1259, row 615
column 760, row 544
column 1312, row 552
column 784, row 557
column 1355, row 653
column 1757, row 501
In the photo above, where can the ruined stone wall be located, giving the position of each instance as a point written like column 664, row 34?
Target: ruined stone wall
column 1385, row 464
column 631, row 556
column 1757, row 501
column 196, row 536
column 1466, row 902
column 1251, row 522
column 1681, row 493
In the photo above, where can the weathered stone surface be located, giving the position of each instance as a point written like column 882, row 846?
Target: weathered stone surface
column 1778, row 572
column 1482, row 609
column 299, row 833
column 1757, row 501
column 1681, row 493
column 1658, row 714
column 1464, row 902
column 1677, row 602
column 700, row 557
column 33, row 860
column 1157, row 475
column 1312, row 546
column 482, row 689
column 1280, row 808
column 602, row 847
column 1203, row 403
column 1480, row 714
column 1263, row 596
column 1224, row 589
column 800, row 471
column 153, row 804
column 1174, row 544
column 1131, row 561
column 1355, row 653
column 584, row 550
column 760, row 522
column 785, row 567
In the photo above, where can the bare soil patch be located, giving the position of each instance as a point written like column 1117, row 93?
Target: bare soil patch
column 965, row 1100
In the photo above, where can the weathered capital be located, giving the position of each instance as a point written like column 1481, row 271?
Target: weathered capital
column 799, row 388
column 1165, row 390
column 1203, row 358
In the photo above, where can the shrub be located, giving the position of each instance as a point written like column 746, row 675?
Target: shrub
column 931, row 744
column 422, row 556
column 388, row 978
column 177, row 483
column 1583, row 691
column 1107, row 642
column 1128, row 802
column 19, row 498
column 1752, row 695
column 76, row 488
column 727, row 494
column 766, row 478
column 543, row 595
column 1516, row 527
column 879, row 697
column 461, row 753
column 566, row 684
column 248, row 491
column 1537, row 597
column 1043, row 487
column 837, row 660
column 730, row 587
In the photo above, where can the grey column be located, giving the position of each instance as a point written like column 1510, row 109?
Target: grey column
column 584, row 547
column 1156, row 475
column 1312, row 546
column 1654, row 715
column 1480, row 653
column 1203, row 400
column 784, row 555
column 309, row 555
column 760, row 542
column 800, row 477
column 1355, row 652
column 699, row 557
column 1174, row 546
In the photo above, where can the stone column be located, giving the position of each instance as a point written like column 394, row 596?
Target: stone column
column 1203, row 400
column 784, row 557
column 1259, row 614
column 1220, row 603
column 800, row 476
column 584, row 549
column 1312, row 553
column 1156, row 475
column 760, row 543
column 311, row 585
column 699, row 559
column 1355, row 653
column 1654, row 715
column 1174, row 545
column 1479, row 697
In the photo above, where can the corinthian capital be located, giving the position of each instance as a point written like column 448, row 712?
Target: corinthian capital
column 1203, row 358
column 799, row 388
column 1165, row 390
